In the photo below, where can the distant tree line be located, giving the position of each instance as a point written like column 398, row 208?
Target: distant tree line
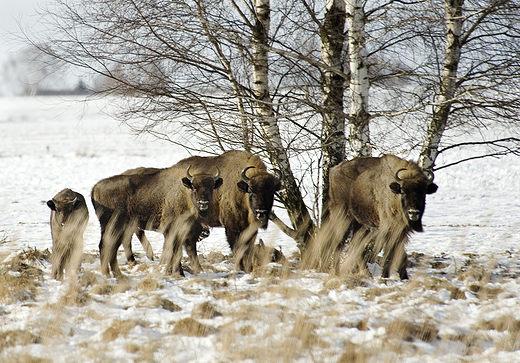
column 305, row 83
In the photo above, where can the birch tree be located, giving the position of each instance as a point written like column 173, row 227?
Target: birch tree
column 290, row 195
column 448, row 84
column 478, row 84
column 332, row 51
column 359, row 137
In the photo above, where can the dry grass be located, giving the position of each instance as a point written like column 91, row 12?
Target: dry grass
column 121, row 328
column 192, row 328
column 205, row 310
column 21, row 277
column 274, row 317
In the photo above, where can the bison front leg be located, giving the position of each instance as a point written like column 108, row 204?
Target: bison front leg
column 172, row 249
column 190, row 243
column 58, row 265
column 394, row 254
column 244, row 248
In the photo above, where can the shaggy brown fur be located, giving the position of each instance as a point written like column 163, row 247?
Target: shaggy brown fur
column 379, row 201
column 240, row 205
column 139, row 232
column 154, row 199
column 69, row 219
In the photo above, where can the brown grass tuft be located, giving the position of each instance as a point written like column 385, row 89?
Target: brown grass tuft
column 149, row 284
column 304, row 330
column 160, row 302
column 75, row 296
column 206, row 310
column 215, row 257
column 121, row 328
column 192, row 328
column 503, row 323
column 19, row 281
column 17, row 337
column 26, row 358
column 356, row 354
column 408, row 331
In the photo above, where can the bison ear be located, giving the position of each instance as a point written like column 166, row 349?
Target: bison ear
column 396, row 188
column 432, row 188
column 51, row 205
column 218, row 183
column 243, row 186
column 187, row 183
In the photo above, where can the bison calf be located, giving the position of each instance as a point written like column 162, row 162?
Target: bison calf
column 69, row 219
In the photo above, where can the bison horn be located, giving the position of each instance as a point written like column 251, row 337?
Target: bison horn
column 188, row 175
column 397, row 174
column 218, row 174
column 74, row 200
column 243, row 174
column 278, row 174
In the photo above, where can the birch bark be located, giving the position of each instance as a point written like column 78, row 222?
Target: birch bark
column 359, row 84
column 333, row 139
column 290, row 195
column 445, row 99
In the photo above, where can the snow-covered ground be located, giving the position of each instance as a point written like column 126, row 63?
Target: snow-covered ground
column 461, row 303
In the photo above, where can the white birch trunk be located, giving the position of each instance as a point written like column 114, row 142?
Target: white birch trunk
column 441, row 111
column 290, row 195
column 359, row 83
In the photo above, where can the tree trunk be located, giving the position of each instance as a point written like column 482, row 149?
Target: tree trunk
column 359, row 85
column 290, row 195
column 442, row 108
column 333, row 130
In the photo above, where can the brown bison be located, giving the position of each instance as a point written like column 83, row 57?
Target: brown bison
column 154, row 199
column 379, row 201
column 244, row 202
column 69, row 219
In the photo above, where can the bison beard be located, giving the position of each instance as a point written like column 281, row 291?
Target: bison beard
column 376, row 203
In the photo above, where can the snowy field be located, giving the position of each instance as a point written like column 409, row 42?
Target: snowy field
column 460, row 305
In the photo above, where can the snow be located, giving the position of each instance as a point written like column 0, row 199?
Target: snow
column 472, row 235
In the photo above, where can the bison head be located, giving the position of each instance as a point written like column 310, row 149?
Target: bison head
column 202, row 186
column 63, row 204
column 413, row 195
column 261, row 188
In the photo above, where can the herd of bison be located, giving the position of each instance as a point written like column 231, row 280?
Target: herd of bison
column 374, row 204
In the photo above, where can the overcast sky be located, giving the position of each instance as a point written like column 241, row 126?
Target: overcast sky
column 13, row 14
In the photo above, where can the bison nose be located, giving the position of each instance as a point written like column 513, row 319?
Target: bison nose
column 203, row 205
column 414, row 214
column 261, row 214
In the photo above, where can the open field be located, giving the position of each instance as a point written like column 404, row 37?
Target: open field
column 460, row 305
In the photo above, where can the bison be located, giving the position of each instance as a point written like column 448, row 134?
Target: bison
column 243, row 203
column 154, row 199
column 69, row 219
column 379, row 201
